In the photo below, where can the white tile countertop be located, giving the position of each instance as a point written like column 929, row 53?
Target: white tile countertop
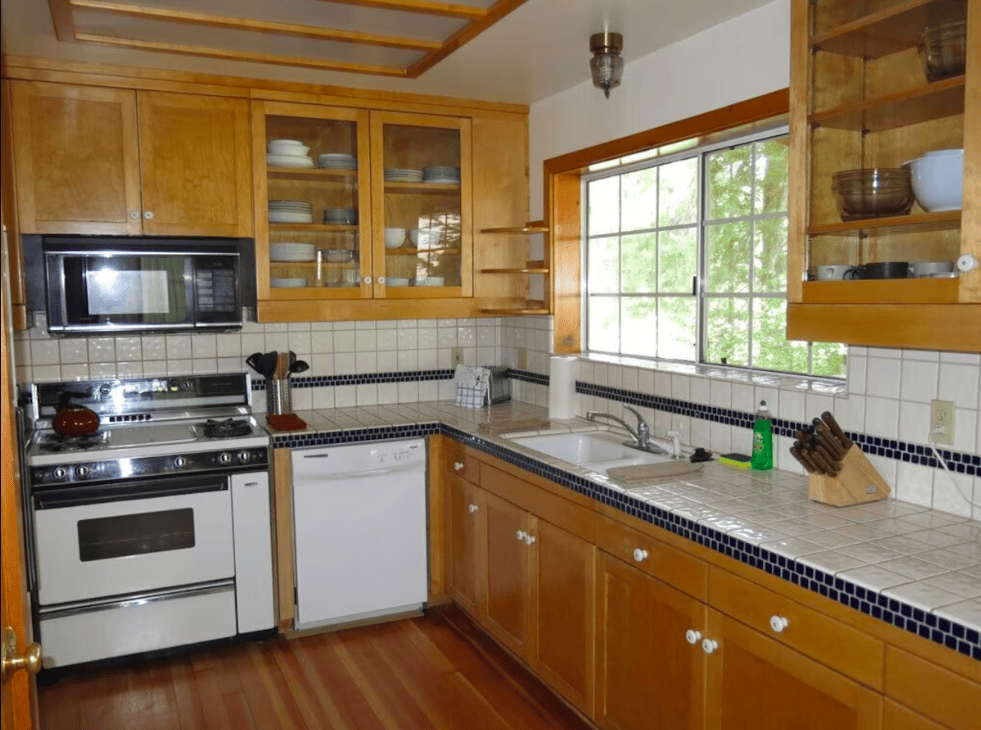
column 896, row 551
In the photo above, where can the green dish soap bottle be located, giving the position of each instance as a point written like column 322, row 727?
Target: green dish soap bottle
column 762, row 459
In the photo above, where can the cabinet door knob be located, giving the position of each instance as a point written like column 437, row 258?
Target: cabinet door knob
column 148, row 214
column 367, row 280
column 640, row 555
column 710, row 646
column 521, row 535
column 693, row 637
column 529, row 539
column 779, row 623
column 471, row 508
column 381, row 279
column 134, row 214
column 458, row 466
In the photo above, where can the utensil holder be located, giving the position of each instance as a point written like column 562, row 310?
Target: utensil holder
column 279, row 396
column 857, row 482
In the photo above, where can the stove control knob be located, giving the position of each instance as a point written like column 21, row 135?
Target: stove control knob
column 244, row 457
column 179, row 462
column 224, row 458
column 58, row 473
column 82, row 472
column 105, row 389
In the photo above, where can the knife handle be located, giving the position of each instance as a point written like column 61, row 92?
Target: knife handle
column 823, row 464
column 829, row 419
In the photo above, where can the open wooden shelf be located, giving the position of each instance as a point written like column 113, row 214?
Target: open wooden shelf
column 529, row 308
column 308, row 173
column 915, row 223
column 934, row 101
column 881, row 291
column 422, row 188
column 887, row 31
column 530, row 228
column 311, row 227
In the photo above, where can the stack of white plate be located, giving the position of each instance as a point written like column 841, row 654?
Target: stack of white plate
column 441, row 174
column 341, row 216
column 288, row 153
column 291, row 251
column 337, row 161
column 287, row 283
column 398, row 174
column 290, row 211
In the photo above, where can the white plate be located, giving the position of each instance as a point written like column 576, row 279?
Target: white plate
column 280, row 217
column 397, row 281
column 288, row 161
column 287, row 283
column 431, row 281
column 442, row 181
column 292, row 252
column 281, row 148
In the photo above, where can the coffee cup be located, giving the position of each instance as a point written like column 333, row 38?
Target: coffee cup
column 931, row 268
column 836, row 272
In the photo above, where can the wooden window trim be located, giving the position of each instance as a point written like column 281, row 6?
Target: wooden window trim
column 563, row 200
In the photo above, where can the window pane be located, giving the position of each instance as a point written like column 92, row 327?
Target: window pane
column 603, row 266
column 639, row 200
column 638, row 268
column 772, row 158
column 771, row 349
column 639, row 326
column 828, row 358
column 727, row 255
column 729, row 178
column 677, row 334
column 726, row 331
column 678, row 194
column 770, row 256
column 604, row 324
column 677, row 260
column 604, row 205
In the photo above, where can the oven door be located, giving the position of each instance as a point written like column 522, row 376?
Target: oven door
column 96, row 541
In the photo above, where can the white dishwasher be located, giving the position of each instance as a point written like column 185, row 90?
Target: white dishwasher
column 359, row 514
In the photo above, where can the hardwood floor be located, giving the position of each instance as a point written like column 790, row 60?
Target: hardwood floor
column 439, row 671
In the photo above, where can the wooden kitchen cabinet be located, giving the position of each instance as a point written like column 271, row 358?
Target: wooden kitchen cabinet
column 860, row 99
column 91, row 160
column 753, row 681
column 508, row 606
column 466, row 530
column 648, row 674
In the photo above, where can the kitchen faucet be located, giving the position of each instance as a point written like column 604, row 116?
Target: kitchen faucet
column 641, row 435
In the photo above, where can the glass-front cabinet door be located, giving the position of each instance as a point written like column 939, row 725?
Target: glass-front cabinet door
column 422, row 237
column 313, row 202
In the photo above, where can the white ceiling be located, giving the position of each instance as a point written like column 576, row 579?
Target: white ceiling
column 538, row 50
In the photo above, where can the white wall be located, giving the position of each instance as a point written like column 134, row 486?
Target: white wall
column 745, row 57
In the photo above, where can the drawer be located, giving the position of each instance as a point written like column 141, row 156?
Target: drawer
column 654, row 557
column 936, row 692
column 458, row 461
column 841, row 647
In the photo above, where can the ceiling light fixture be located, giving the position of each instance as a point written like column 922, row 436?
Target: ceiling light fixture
column 606, row 64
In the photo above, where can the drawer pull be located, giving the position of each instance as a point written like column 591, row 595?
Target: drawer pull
column 471, row 508
column 521, row 534
column 693, row 637
column 710, row 646
column 640, row 555
column 529, row 539
column 458, row 466
column 778, row 623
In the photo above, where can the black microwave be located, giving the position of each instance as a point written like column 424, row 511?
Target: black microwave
column 109, row 286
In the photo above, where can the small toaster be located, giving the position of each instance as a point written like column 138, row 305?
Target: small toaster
column 499, row 386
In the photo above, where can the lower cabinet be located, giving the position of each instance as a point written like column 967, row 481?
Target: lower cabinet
column 507, row 611
column 650, row 667
column 465, row 535
column 754, row 681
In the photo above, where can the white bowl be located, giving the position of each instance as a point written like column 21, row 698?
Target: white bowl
column 424, row 237
column 287, row 147
column 394, row 237
column 430, row 281
column 397, row 281
column 938, row 180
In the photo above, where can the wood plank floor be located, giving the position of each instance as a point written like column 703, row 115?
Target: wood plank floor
column 439, row 671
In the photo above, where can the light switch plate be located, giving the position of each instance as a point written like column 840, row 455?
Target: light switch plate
column 942, row 422
column 457, row 355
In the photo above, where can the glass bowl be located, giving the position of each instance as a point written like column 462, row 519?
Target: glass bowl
column 943, row 49
column 875, row 192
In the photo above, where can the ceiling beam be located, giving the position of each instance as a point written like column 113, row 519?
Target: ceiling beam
column 466, row 34
column 246, row 56
column 63, row 19
column 255, row 26
column 426, row 7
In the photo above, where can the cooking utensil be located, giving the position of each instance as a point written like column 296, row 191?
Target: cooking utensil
column 300, row 366
column 846, row 443
column 253, row 362
column 73, row 420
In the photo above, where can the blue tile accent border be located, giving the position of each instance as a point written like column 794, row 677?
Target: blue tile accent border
column 327, row 381
column 914, row 620
column 527, row 376
column 957, row 461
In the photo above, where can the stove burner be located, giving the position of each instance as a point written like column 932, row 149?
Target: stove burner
column 56, row 443
column 228, row 428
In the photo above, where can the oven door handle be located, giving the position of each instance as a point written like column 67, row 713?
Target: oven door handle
column 83, row 495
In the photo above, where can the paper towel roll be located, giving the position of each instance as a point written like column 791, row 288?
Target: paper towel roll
column 562, row 386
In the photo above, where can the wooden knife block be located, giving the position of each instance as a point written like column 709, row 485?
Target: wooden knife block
column 857, row 482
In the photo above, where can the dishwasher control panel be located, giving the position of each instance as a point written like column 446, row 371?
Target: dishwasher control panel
column 396, row 454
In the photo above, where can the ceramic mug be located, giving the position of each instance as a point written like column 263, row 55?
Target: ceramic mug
column 836, row 272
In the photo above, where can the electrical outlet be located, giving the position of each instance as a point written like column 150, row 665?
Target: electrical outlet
column 522, row 358
column 457, row 355
column 942, row 422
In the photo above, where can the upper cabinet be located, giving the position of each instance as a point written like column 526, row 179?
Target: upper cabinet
column 92, row 160
column 874, row 86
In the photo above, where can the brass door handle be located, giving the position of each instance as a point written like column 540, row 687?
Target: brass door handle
column 12, row 661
